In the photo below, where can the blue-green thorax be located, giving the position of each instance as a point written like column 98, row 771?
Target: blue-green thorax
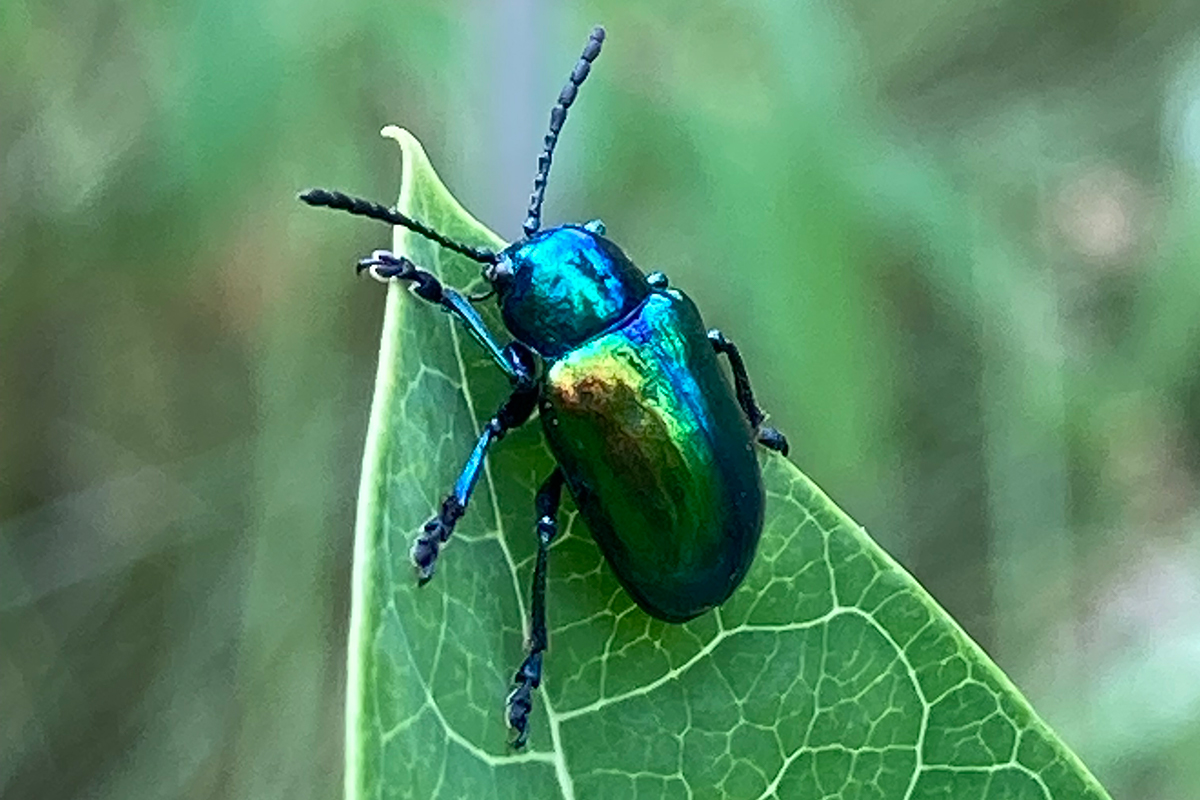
column 561, row 287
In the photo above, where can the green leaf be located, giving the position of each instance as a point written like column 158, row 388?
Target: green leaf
column 829, row 673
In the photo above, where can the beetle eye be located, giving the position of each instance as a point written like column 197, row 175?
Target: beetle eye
column 499, row 273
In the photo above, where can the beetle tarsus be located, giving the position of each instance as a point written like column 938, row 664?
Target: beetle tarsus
column 520, row 699
column 772, row 439
column 437, row 530
column 385, row 265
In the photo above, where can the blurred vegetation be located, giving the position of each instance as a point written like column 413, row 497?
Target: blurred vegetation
column 957, row 243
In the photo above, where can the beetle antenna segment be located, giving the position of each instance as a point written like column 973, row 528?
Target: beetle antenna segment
column 557, row 116
column 325, row 198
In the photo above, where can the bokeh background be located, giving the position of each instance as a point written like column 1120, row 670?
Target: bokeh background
column 957, row 242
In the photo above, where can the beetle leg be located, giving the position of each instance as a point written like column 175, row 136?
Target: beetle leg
column 385, row 265
column 768, row 437
column 529, row 676
column 514, row 413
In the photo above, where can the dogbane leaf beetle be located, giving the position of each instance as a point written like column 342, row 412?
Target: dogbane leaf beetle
column 651, row 439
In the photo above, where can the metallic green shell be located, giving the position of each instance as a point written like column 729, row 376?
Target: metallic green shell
column 659, row 457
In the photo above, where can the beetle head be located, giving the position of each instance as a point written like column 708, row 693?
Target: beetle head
column 562, row 286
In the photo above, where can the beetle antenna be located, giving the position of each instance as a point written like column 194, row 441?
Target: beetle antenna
column 325, row 198
column 557, row 116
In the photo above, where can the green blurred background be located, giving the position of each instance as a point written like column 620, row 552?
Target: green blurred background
column 957, row 243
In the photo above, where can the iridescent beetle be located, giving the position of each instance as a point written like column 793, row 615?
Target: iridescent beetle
column 651, row 440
